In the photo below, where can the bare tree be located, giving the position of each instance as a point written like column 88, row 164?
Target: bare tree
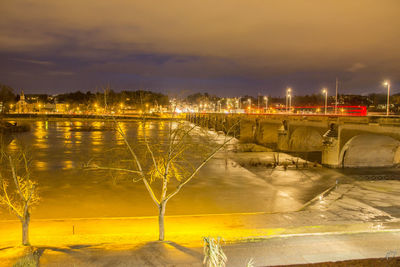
column 18, row 192
column 168, row 166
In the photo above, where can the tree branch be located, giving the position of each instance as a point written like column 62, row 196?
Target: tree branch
column 146, row 183
column 112, row 169
column 14, row 175
column 210, row 156
column 8, row 201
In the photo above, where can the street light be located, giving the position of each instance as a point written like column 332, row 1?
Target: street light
column 266, row 103
column 387, row 83
column 249, row 104
column 288, row 96
column 325, row 91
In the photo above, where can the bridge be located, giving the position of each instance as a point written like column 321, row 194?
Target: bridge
column 343, row 141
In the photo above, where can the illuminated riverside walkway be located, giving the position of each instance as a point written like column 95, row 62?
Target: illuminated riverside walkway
column 272, row 240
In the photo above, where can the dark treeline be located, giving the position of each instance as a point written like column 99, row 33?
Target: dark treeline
column 140, row 97
column 198, row 98
column 109, row 97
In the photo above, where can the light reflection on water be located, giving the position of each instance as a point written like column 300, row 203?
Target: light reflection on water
column 40, row 165
column 41, row 134
column 13, row 146
column 58, row 154
column 66, row 145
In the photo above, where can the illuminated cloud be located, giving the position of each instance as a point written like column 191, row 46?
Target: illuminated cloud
column 356, row 67
column 201, row 44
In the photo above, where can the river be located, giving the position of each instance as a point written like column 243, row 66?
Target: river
column 60, row 149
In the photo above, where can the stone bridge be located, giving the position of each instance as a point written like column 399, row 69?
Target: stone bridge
column 343, row 141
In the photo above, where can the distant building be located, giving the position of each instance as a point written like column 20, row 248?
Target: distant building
column 61, row 107
column 22, row 105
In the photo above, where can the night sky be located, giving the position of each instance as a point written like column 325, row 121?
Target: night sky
column 224, row 47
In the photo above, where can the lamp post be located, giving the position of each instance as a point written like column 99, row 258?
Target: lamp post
column 266, row 103
column 336, row 103
column 288, row 97
column 325, row 91
column 387, row 83
column 249, row 105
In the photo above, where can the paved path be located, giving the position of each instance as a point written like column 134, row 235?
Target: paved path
column 315, row 248
column 274, row 251
column 90, row 242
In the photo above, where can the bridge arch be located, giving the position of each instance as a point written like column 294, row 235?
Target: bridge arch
column 370, row 150
column 305, row 139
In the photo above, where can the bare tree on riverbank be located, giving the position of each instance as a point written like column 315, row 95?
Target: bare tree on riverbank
column 18, row 192
column 168, row 166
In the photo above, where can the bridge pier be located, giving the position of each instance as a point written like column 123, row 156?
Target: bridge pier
column 283, row 137
column 331, row 148
column 247, row 130
column 267, row 132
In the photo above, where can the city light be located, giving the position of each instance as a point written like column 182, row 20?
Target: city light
column 266, row 103
column 288, row 98
column 325, row 91
column 387, row 83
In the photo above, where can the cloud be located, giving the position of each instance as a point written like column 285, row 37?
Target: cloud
column 356, row 67
column 38, row 62
column 244, row 40
column 61, row 73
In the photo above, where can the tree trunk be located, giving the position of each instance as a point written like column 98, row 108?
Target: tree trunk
column 161, row 213
column 25, row 229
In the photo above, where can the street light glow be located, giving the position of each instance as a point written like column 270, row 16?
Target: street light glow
column 387, row 83
column 288, row 98
column 325, row 91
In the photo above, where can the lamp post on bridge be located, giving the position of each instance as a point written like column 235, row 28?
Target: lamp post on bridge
column 288, row 97
column 249, row 105
column 387, row 83
column 325, row 91
column 266, row 103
